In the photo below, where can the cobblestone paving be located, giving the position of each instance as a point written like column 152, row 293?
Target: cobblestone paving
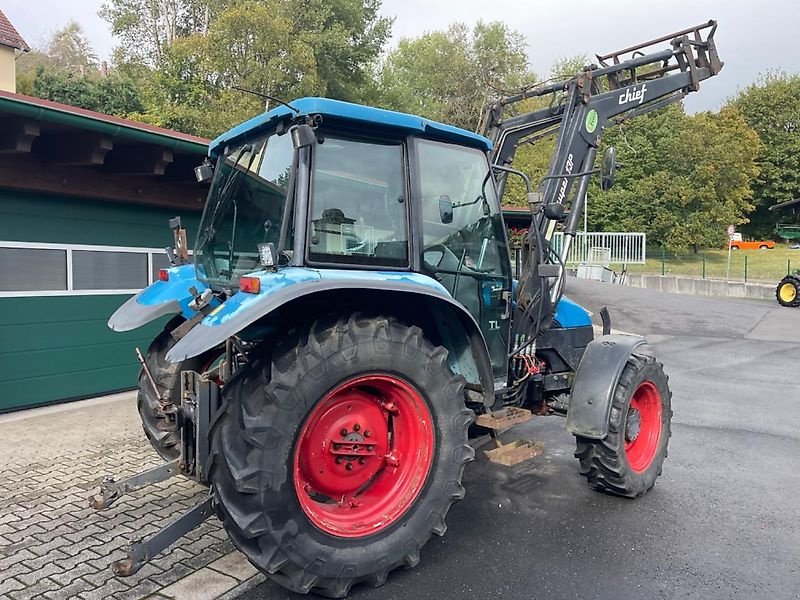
column 52, row 545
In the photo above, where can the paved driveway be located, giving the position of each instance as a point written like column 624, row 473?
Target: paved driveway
column 52, row 545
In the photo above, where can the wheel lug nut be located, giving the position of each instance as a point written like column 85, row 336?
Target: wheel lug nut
column 349, row 466
column 337, row 446
column 361, row 460
column 343, row 432
column 338, row 460
column 367, row 433
column 356, row 427
column 370, row 448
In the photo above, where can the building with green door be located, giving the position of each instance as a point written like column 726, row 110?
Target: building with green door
column 85, row 200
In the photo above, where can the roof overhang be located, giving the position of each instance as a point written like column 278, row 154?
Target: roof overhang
column 56, row 148
column 786, row 204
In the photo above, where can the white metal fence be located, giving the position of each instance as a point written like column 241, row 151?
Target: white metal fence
column 597, row 249
column 604, row 248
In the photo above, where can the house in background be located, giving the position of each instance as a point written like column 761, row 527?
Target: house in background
column 11, row 43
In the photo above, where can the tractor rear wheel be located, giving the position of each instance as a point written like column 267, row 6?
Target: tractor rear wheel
column 629, row 459
column 167, row 378
column 788, row 291
column 339, row 452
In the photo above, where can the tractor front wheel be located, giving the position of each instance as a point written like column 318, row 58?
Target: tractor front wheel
column 339, row 452
column 629, row 459
column 788, row 291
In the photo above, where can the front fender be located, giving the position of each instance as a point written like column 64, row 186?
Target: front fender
column 288, row 284
column 158, row 299
column 595, row 382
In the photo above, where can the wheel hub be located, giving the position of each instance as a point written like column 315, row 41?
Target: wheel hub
column 363, row 455
column 339, row 460
column 633, row 425
column 788, row 292
column 643, row 427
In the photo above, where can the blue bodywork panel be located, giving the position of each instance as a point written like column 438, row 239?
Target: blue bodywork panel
column 275, row 282
column 160, row 298
column 354, row 113
column 569, row 314
column 280, row 287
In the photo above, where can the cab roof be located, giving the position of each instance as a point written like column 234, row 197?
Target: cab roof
column 338, row 111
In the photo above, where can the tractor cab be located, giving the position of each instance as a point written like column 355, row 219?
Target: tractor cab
column 341, row 187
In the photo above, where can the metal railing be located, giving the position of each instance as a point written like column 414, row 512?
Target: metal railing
column 596, row 249
column 604, row 248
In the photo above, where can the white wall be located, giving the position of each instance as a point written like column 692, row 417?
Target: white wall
column 8, row 69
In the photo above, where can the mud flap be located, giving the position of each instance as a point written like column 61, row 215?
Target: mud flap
column 595, row 382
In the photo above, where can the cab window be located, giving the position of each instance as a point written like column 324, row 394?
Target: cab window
column 358, row 203
column 464, row 245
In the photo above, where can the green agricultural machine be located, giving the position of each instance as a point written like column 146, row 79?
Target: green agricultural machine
column 788, row 291
column 350, row 325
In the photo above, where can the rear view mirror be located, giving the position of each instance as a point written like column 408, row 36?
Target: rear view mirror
column 608, row 169
column 303, row 136
column 445, row 209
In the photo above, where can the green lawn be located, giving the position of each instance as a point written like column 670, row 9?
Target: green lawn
column 762, row 265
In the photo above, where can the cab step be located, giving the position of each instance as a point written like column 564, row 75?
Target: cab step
column 504, row 419
column 514, row 452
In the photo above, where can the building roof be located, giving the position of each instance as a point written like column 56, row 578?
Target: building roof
column 337, row 110
column 65, row 114
column 53, row 148
column 9, row 36
column 786, row 204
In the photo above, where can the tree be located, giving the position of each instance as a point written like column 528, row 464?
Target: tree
column 113, row 95
column 67, row 50
column 249, row 45
column 284, row 48
column 146, row 28
column 450, row 75
column 685, row 178
column 772, row 108
column 70, row 50
column 346, row 37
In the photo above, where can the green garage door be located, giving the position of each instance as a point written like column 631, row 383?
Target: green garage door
column 65, row 265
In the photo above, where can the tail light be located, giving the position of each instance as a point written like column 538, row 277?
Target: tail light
column 250, row 285
column 163, row 275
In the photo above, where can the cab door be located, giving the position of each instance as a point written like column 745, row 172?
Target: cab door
column 463, row 239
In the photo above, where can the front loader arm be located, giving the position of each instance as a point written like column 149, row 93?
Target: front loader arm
column 627, row 83
column 626, row 87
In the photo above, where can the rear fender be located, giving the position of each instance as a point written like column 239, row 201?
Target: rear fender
column 160, row 298
column 595, row 382
column 457, row 329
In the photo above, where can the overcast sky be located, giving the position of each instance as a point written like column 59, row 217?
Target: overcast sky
column 753, row 35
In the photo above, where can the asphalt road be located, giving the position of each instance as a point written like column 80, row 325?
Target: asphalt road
column 723, row 521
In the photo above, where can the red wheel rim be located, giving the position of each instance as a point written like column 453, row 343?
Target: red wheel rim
column 643, row 427
column 363, row 455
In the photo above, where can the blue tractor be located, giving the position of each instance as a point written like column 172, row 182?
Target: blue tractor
column 349, row 324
